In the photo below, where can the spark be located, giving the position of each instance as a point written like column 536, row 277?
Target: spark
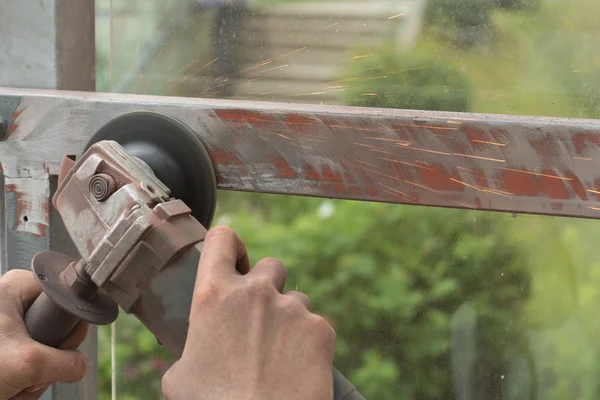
column 332, row 25
column 306, row 94
column 465, row 205
column 414, row 69
column 425, row 187
column 443, row 128
column 260, row 64
column 346, row 80
column 583, row 158
column 267, row 70
column 593, row 208
column 466, row 169
column 380, row 173
column 396, row 16
column 206, row 65
column 479, row 175
column 280, row 135
column 370, row 94
column 422, row 162
column 486, row 142
column 537, row 174
column 484, row 190
column 363, row 56
column 455, row 122
column 356, row 128
column 480, row 158
column 364, row 162
column 405, row 163
column 316, row 93
column 593, row 191
column 399, row 142
column 396, row 191
column 430, row 151
column 291, row 52
column 376, row 77
column 373, row 148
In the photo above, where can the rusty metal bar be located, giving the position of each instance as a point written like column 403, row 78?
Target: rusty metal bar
column 487, row 162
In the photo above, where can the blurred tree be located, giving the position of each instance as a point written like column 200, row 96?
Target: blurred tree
column 392, row 80
column 465, row 22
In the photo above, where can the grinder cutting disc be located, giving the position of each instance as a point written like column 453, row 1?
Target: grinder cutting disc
column 175, row 155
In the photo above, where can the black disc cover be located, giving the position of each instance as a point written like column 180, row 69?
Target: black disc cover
column 173, row 152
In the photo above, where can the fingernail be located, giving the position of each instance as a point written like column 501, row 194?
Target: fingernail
column 36, row 388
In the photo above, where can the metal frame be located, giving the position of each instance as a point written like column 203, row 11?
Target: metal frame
column 44, row 44
column 487, row 162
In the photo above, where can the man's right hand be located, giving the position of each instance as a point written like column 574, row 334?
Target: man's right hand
column 248, row 340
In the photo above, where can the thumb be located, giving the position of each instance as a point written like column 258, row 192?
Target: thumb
column 67, row 366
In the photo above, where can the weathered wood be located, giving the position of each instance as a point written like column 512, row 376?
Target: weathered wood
column 461, row 160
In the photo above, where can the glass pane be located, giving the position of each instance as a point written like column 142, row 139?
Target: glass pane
column 428, row 303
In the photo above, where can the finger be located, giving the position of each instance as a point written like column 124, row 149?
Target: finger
column 22, row 288
column 56, row 365
column 31, row 394
column 304, row 299
column 76, row 337
column 223, row 252
column 271, row 269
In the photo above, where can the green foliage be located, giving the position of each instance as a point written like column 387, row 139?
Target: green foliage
column 391, row 279
column 141, row 362
column 519, row 5
column 392, row 80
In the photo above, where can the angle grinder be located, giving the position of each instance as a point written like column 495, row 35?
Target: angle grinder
column 137, row 205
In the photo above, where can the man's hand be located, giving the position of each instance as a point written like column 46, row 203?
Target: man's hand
column 246, row 339
column 27, row 367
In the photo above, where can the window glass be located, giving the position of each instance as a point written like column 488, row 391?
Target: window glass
column 428, row 303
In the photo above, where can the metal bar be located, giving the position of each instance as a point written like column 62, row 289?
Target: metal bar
column 44, row 44
column 487, row 162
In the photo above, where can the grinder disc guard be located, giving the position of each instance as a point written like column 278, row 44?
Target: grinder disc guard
column 175, row 155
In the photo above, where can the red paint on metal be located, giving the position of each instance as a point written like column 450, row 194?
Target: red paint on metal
column 355, row 190
column 437, row 178
column 24, row 207
column 313, row 174
column 554, row 188
column 373, row 191
column 478, row 202
column 544, row 147
column 284, row 168
column 301, row 123
column 476, row 136
column 520, row 184
column 340, row 188
column 527, row 184
column 225, row 158
column 480, row 178
column 14, row 125
column 255, row 118
column 330, row 176
column 580, row 140
column 577, row 186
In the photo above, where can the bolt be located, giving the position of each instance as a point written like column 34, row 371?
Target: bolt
column 102, row 186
